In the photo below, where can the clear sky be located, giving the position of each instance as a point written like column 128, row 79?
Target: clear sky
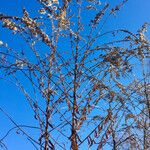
column 132, row 16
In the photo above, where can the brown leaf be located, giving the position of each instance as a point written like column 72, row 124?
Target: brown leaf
column 96, row 134
column 99, row 128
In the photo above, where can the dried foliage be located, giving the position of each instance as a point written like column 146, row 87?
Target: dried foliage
column 82, row 98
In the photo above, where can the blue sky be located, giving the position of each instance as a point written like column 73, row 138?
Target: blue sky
column 132, row 16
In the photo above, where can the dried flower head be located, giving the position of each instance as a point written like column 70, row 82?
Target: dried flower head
column 64, row 23
column 55, row 1
column 20, row 63
column 54, row 8
column 9, row 24
column 15, row 28
column 49, row 4
column 42, row 11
